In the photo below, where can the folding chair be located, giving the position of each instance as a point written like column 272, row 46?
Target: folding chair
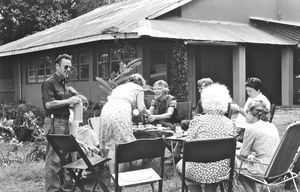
column 139, row 149
column 228, row 114
column 272, row 112
column 280, row 169
column 65, row 144
column 205, row 151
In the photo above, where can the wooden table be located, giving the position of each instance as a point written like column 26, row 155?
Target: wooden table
column 152, row 132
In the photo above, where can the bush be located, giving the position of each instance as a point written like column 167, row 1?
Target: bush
column 28, row 122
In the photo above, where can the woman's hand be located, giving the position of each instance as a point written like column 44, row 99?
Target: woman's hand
column 152, row 118
column 235, row 108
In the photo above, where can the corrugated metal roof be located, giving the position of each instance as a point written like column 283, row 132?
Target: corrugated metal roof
column 120, row 19
column 289, row 29
column 209, row 31
column 126, row 19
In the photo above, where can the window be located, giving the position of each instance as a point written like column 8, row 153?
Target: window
column 109, row 59
column 158, row 65
column 39, row 68
column 80, row 63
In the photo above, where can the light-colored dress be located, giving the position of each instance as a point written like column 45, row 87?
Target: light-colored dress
column 261, row 140
column 209, row 126
column 116, row 116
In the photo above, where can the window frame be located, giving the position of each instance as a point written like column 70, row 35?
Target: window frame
column 76, row 62
column 36, row 62
column 112, row 57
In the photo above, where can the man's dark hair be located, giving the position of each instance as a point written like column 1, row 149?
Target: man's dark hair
column 254, row 83
column 62, row 56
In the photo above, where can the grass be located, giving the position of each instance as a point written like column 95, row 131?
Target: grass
column 25, row 176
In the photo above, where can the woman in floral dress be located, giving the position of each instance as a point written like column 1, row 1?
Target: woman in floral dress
column 116, row 115
column 213, row 124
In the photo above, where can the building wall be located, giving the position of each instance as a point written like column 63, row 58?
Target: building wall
column 230, row 10
column 31, row 92
column 289, row 10
column 264, row 62
column 6, row 80
column 214, row 62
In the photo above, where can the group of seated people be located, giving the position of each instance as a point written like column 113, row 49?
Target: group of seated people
column 210, row 122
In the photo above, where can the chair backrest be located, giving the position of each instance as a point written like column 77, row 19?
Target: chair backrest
column 139, row 149
column 286, row 153
column 184, row 110
column 94, row 123
column 63, row 144
column 229, row 111
column 272, row 112
column 211, row 150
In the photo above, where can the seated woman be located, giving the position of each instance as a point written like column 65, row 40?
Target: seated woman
column 163, row 105
column 212, row 124
column 260, row 141
column 253, row 89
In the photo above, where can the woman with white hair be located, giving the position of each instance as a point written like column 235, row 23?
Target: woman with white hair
column 213, row 124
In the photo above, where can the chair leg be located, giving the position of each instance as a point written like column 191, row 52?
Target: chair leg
column 221, row 187
column 295, row 184
column 160, row 184
column 152, row 187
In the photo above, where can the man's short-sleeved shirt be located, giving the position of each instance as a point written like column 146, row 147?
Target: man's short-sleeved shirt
column 54, row 88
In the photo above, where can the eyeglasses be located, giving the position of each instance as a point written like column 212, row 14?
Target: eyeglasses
column 66, row 67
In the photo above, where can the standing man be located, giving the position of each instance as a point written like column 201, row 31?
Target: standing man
column 57, row 98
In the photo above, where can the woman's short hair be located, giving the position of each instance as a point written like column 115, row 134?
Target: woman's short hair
column 162, row 83
column 215, row 98
column 137, row 79
column 258, row 109
column 204, row 82
column 254, row 83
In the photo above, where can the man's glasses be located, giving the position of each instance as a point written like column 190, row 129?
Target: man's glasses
column 66, row 67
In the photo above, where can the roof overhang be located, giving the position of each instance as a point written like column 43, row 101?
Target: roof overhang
column 284, row 29
column 69, row 43
column 213, row 32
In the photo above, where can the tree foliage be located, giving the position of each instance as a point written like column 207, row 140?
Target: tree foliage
column 178, row 75
column 19, row 18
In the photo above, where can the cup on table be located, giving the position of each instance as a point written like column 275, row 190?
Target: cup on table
column 159, row 126
column 178, row 131
column 140, row 125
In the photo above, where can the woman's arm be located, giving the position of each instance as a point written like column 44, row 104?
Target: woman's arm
column 140, row 103
column 166, row 115
column 151, row 110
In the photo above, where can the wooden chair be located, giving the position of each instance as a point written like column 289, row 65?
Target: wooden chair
column 205, row 151
column 229, row 111
column 66, row 144
column 139, row 149
column 184, row 110
column 272, row 112
column 280, row 169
